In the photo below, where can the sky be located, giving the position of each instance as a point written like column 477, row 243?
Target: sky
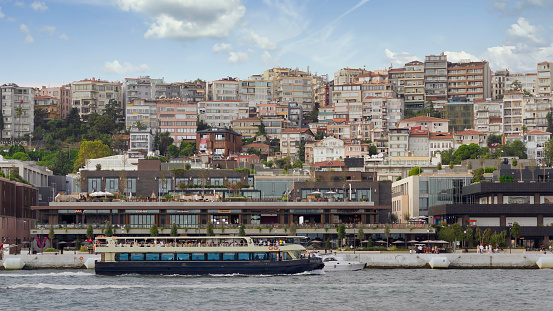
column 54, row 42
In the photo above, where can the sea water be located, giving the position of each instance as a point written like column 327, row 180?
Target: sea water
column 370, row 289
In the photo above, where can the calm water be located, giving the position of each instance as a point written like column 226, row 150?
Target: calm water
column 394, row 289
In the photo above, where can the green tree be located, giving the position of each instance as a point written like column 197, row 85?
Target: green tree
column 174, row 230
column 373, row 150
column 51, row 235
column 201, row 125
column 154, row 231
column 297, row 164
column 187, row 149
column 478, row 175
column 320, row 135
column 393, row 218
column 548, row 152
column 40, row 116
column 108, row 231
column 451, row 165
column 493, row 139
column 292, row 229
column 91, row 150
column 415, row 171
column 532, row 166
column 341, row 234
column 242, row 230
column 514, row 149
column 22, row 156
column 406, row 216
column 260, row 128
column 90, row 232
column 327, row 244
column 209, row 229
column 360, row 234
column 301, row 151
column 162, row 141
column 113, row 111
column 439, row 166
column 515, row 232
column 549, row 123
column 387, row 233
column 468, row 236
column 173, row 151
column 516, row 86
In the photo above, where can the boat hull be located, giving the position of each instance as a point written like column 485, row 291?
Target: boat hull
column 208, row 267
column 344, row 266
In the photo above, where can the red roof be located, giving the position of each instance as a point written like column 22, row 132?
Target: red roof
column 330, row 164
column 419, row 133
column 422, row 119
column 256, row 145
column 538, row 132
column 441, row 135
column 470, row 132
column 295, row 131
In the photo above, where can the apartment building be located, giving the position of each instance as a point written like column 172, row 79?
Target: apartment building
column 470, row 137
column 384, row 112
column 488, row 116
column 439, row 142
column 143, row 87
column 433, row 125
column 141, row 140
column 247, row 127
column 544, row 83
column 414, row 85
column 225, row 89
column 62, row 93
column 322, row 94
column 192, row 92
column 219, row 141
column 274, row 126
column 351, row 111
column 92, row 95
column 460, row 114
column 356, row 148
column 361, row 130
column 291, row 139
column 513, row 104
column 256, row 91
column 326, row 114
column 346, row 76
column 142, row 113
column 328, row 149
column 471, row 80
column 536, row 110
column 398, row 142
column 527, row 81
column 50, row 105
column 266, row 110
column 295, row 115
column 346, row 93
column 221, row 113
column 177, row 118
column 535, row 142
column 396, row 77
column 339, row 128
column 291, row 86
column 435, row 77
column 18, row 108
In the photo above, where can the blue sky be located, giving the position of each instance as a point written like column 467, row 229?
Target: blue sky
column 51, row 42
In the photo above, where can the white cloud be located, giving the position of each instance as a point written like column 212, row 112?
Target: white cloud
column 19, row 4
column 400, row 58
column 457, row 56
column 262, row 42
column 523, row 30
column 238, row 57
column 64, row 37
column 25, row 30
column 221, row 47
column 11, row 19
column 266, row 57
column 49, row 29
column 1, row 14
column 39, row 6
column 116, row 68
column 187, row 19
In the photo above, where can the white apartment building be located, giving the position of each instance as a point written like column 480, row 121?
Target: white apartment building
column 433, row 125
column 225, row 89
column 414, row 85
column 141, row 112
column 37, row 175
column 328, row 149
column 92, row 95
column 142, row 88
column 220, row 113
column 536, row 110
column 18, row 110
column 488, row 116
column 535, row 142
column 141, row 140
column 544, row 83
column 256, row 91
column 527, row 81
column 291, row 139
column 468, row 137
column 513, row 103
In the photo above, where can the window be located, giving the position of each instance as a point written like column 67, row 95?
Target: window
column 197, row 256
column 167, row 257
column 183, row 257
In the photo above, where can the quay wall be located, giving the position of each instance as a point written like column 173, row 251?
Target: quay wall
column 52, row 261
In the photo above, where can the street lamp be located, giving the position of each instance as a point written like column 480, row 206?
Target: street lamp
column 510, row 243
column 465, row 239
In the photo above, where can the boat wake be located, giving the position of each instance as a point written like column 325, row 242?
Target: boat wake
column 50, row 274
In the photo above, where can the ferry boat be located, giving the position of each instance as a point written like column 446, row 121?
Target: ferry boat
column 202, row 255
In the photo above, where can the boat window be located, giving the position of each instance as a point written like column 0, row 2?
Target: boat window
column 183, row 256
column 286, row 256
column 329, row 259
column 297, row 254
column 137, row 257
column 152, row 256
column 261, row 256
column 198, row 256
column 229, row 256
column 213, row 256
column 166, row 257
column 243, row 256
column 122, row 257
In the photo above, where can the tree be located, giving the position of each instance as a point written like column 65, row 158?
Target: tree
column 320, row 135
column 51, row 235
column 493, row 139
column 187, row 149
column 22, row 156
column 514, row 149
column 209, row 229
column 514, row 163
column 415, row 171
column 515, row 232
column 162, row 141
column 173, row 151
column 154, row 231
column 548, row 152
column 360, row 234
column 113, row 111
column 469, row 165
column 549, row 123
column 439, row 166
column 341, row 234
column 187, row 166
column 242, row 230
column 468, row 236
column 520, row 168
column 478, row 175
column 387, row 233
column 122, row 186
column 90, row 150
column 327, row 244
column 301, row 151
column 40, row 116
column 201, row 125
column 292, row 229
column 174, row 230
column 373, row 150
column 108, row 231
column 90, row 232
column 406, row 216
column 516, row 86
column 260, row 128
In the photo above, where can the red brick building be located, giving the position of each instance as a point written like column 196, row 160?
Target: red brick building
column 218, row 141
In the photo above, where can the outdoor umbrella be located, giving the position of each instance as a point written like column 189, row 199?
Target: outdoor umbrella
column 398, row 242
column 413, row 241
column 380, row 241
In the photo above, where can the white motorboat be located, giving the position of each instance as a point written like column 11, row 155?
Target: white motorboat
column 334, row 263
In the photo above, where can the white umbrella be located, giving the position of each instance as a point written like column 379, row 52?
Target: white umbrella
column 398, row 242
column 97, row 194
column 316, row 192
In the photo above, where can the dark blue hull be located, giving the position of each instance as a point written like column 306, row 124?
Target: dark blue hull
column 208, row 267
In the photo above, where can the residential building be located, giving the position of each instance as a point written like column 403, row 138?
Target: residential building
column 488, row 116
column 527, row 82
column 220, row 113
column 50, row 105
column 544, row 82
column 339, row 128
column 470, row 80
column 35, row 174
column 396, row 77
column 141, row 113
column 435, row 77
column 459, row 113
column 326, row 114
column 218, row 141
column 418, row 143
column 192, row 92
column 63, row 94
column 329, row 166
column 398, row 143
column 263, row 148
column 499, row 81
column 295, row 115
column 535, row 142
column 247, row 127
column 468, row 137
column 431, row 124
column 439, row 142
column 291, row 86
column 356, row 148
column 414, row 85
column 513, row 103
column 361, row 130
column 226, row 89
column 256, row 91
column 144, row 88
column 177, row 118
column 266, row 110
column 18, row 108
column 322, row 94
column 346, row 93
column 92, row 95
column 274, row 125
column 536, row 110
column 346, row 76
column 291, row 139
column 141, row 140
column 328, row 149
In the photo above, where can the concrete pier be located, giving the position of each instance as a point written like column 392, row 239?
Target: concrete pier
column 53, row 261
